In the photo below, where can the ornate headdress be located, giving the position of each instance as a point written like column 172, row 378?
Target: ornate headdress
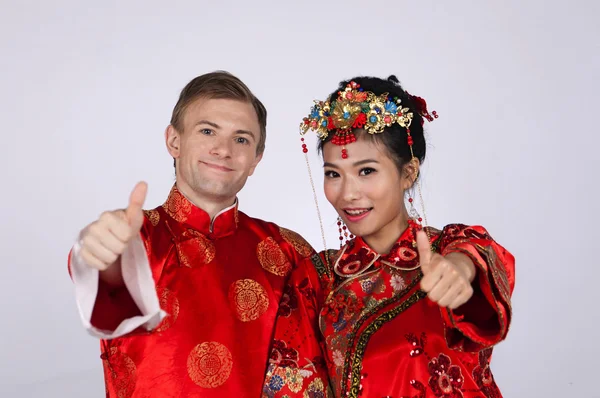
column 355, row 108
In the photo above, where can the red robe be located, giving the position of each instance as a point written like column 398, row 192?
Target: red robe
column 359, row 321
column 220, row 282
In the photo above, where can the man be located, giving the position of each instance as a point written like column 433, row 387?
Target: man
column 184, row 296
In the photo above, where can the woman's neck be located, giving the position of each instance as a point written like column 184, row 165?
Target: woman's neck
column 384, row 239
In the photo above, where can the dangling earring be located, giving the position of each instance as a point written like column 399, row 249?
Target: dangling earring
column 343, row 230
column 412, row 211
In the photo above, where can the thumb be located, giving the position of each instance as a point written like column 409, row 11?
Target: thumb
column 134, row 213
column 424, row 249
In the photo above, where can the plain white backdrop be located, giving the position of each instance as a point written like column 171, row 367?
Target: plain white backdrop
column 87, row 88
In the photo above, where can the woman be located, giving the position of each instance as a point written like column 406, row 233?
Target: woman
column 401, row 310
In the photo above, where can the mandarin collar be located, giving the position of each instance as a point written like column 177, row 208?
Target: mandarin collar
column 357, row 257
column 180, row 209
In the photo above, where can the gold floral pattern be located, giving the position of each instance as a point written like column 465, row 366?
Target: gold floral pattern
column 153, row 216
column 272, row 258
column 177, row 206
column 297, row 241
column 120, row 373
column 248, row 299
column 209, row 364
column 195, row 251
column 315, row 389
column 170, row 304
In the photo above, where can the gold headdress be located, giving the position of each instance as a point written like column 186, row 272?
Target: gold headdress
column 355, row 108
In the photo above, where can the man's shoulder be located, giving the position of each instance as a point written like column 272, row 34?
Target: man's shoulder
column 285, row 237
column 265, row 226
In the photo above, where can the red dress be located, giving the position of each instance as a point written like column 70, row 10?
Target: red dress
column 360, row 321
column 220, row 282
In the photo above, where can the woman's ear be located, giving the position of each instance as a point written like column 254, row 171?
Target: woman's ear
column 410, row 173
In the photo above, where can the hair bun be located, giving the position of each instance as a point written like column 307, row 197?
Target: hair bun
column 393, row 79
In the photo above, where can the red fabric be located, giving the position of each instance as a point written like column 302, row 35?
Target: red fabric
column 221, row 287
column 379, row 333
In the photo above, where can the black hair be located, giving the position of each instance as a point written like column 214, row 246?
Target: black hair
column 393, row 138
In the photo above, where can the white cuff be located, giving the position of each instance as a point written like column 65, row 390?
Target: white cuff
column 138, row 280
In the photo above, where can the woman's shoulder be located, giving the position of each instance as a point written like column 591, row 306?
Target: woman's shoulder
column 461, row 230
column 324, row 261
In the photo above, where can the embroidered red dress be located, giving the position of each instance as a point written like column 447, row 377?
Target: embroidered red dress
column 361, row 320
column 219, row 282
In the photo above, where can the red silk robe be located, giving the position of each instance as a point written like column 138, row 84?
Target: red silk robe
column 220, row 282
column 359, row 321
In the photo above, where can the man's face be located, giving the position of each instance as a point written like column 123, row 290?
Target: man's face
column 216, row 151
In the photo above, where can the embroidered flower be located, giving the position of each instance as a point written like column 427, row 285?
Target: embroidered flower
column 341, row 307
column 397, row 283
column 355, row 262
column 316, row 389
column 288, row 303
column 370, row 303
column 446, row 379
column 483, row 375
column 276, row 383
column 338, row 358
column 340, row 324
column 282, row 355
column 293, row 379
column 305, row 289
column 367, row 286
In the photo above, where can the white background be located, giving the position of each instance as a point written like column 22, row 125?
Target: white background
column 87, row 88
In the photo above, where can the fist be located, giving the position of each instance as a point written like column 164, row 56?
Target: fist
column 104, row 240
column 446, row 282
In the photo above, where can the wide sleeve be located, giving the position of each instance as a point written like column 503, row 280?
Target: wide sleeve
column 297, row 364
column 484, row 320
column 106, row 312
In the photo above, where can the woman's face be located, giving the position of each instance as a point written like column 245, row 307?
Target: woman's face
column 366, row 189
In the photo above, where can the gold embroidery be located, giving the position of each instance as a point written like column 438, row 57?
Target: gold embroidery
column 209, row 364
column 153, row 216
column 177, row 206
column 196, row 251
column 315, row 388
column 271, row 257
column 298, row 242
column 170, row 304
column 248, row 299
column 120, row 372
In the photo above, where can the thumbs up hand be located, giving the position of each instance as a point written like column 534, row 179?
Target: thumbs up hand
column 446, row 280
column 104, row 240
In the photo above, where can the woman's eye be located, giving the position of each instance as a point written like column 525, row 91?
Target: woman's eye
column 331, row 174
column 366, row 171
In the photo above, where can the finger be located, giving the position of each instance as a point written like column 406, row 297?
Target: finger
column 98, row 250
column 114, row 223
column 441, row 288
column 134, row 212
column 113, row 242
column 92, row 261
column 434, row 273
column 424, row 249
column 453, row 292
column 462, row 298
